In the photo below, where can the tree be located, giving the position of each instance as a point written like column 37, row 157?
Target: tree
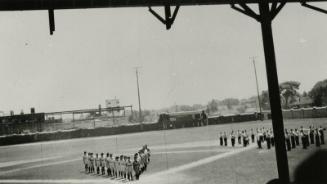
column 198, row 107
column 288, row 92
column 319, row 93
column 230, row 102
column 212, row 106
column 185, row 108
column 241, row 109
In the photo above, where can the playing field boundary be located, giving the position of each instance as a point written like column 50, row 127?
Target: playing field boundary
column 145, row 179
column 202, row 161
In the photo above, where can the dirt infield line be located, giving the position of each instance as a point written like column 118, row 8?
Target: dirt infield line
column 155, row 176
column 40, row 165
column 13, row 163
column 188, row 151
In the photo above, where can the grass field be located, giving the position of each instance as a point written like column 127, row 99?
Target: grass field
column 189, row 155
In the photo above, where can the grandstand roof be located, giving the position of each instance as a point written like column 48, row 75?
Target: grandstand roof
column 13, row 5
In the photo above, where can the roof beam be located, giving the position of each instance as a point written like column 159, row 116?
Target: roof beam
column 19, row 5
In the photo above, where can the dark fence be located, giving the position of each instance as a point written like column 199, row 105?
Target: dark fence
column 233, row 118
column 101, row 131
column 104, row 131
column 318, row 112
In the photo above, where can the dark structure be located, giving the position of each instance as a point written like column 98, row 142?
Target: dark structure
column 265, row 17
column 34, row 122
column 192, row 119
column 16, row 124
column 179, row 119
column 95, row 112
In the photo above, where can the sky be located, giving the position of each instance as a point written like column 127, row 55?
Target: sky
column 206, row 55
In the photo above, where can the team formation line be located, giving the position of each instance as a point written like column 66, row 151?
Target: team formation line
column 311, row 135
column 119, row 166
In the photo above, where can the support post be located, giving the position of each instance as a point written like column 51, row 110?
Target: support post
column 169, row 19
column 51, row 21
column 113, row 115
column 274, row 96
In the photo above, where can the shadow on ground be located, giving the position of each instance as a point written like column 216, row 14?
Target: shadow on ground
column 312, row 170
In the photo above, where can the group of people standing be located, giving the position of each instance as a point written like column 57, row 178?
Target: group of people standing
column 242, row 137
column 119, row 167
column 307, row 136
column 293, row 137
column 265, row 135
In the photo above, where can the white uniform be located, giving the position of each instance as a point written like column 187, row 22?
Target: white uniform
column 85, row 160
column 111, row 164
column 107, row 162
column 123, row 166
column 102, row 162
column 97, row 162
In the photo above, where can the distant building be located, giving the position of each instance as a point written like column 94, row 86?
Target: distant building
column 112, row 103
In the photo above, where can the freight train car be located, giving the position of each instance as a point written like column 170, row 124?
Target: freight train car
column 234, row 118
column 193, row 119
column 180, row 119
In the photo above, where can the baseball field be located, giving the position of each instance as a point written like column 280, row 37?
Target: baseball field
column 189, row 155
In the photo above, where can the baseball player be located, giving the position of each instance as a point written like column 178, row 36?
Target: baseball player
column 97, row 163
column 92, row 162
column 129, row 166
column 85, row 161
column 102, row 164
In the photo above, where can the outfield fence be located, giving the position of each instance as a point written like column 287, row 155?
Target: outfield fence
column 316, row 112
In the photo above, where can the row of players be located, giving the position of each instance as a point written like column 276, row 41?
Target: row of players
column 307, row 135
column 292, row 137
column 120, row 167
column 241, row 136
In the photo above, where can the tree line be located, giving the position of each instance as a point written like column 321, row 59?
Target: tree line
column 289, row 95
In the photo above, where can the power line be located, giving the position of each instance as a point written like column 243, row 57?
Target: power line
column 138, row 93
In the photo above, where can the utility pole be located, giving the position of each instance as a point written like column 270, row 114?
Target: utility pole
column 256, row 80
column 138, row 93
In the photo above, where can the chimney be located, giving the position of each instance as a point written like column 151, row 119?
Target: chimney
column 32, row 110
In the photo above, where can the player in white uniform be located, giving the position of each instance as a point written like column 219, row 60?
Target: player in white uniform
column 116, row 167
column 111, row 165
column 91, row 159
column 129, row 166
column 102, row 164
column 123, row 164
column 97, row 163
column 120, row 163
column 85, row 161
column 107, row 164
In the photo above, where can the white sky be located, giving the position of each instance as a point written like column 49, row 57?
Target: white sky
column 92, row 55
